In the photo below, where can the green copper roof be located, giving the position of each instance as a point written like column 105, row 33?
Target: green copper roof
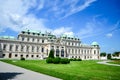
column 32, row 31
column 65, row 35
column 94, row 43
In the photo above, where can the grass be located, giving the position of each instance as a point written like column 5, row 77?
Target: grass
column 76, row 70
column 115, row 62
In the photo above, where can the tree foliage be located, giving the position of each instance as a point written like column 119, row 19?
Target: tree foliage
column 109, row 56
column 51, row 54
column 103, row 54
column 116, row 53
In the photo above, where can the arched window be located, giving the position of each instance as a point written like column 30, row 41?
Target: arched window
column 62, row 53
column 94, row 51
column 42, row 50
column 57, row 52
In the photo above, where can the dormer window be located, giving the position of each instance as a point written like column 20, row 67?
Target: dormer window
column 28, row 32
column 33, row 33
column 42, row 34
column 23, row 32
column 38, row 34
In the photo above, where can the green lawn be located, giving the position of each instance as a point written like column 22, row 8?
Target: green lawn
column 76, row 70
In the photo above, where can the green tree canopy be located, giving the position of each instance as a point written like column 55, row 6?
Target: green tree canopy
column 51, row 54
column 103, row 54
column 109, row 56
column 116, row 53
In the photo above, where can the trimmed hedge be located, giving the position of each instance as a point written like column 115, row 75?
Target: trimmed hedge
column 74, row 59
column 22, row 58
column 65, row 61
column 49, row 60
column 56, row 60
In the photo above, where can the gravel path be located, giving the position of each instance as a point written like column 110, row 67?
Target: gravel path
column 11, row 72
column 105, row 62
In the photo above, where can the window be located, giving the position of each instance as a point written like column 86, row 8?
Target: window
column 33, row 33
column 4, row 47
column 94, row 51
column 72, row 44
column 3, row 55
column 32, row 55
column 11, row 46
column 42, row 50
column 37, row 55
column 16, row 49
column 72, row 51
column 42, row 34
column 69, row 43
column 62, row 53
column 27, row 49
column 37, row 49
column 16, row 55
column 42, row 41
column 22, row 47
column 21, row 55
column 85, row 51
column 33, row 40
column 32, row 48
column 47, row 51
column 98, row 51
column 37, row 40
column 28, row 39
column 22, row 38
column 26, row 55
column 57, row 52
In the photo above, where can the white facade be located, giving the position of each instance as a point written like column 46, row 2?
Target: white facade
column 37, row 45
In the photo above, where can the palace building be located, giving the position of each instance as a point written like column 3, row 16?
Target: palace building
column 37, row 45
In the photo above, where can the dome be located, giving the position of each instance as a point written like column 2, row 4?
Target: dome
column 94, row 43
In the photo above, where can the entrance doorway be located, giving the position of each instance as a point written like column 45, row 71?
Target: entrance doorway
column 10, row 55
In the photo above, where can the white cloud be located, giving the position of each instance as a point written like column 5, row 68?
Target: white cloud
column 109, row 35
column 75, row 9
column 15, row 14
column 62, row 30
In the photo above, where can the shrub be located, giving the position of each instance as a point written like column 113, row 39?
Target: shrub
column 65, row 61
column 56, row 60
column 71, row 59
column 49, row 60
column 74, row 59
column 22, row 58
column 79, row 59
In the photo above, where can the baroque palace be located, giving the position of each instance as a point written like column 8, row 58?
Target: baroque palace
column 37, row 45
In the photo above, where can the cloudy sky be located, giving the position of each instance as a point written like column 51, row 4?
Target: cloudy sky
column 90, row 20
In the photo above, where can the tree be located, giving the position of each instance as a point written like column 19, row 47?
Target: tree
column 103, row 54
column 51, row 54
column 116, row 53
column 109, row 56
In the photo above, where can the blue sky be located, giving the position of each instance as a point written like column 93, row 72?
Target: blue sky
column 90, row 20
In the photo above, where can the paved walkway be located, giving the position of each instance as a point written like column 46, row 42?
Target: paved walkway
column 11, row 72
column 105, row 62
